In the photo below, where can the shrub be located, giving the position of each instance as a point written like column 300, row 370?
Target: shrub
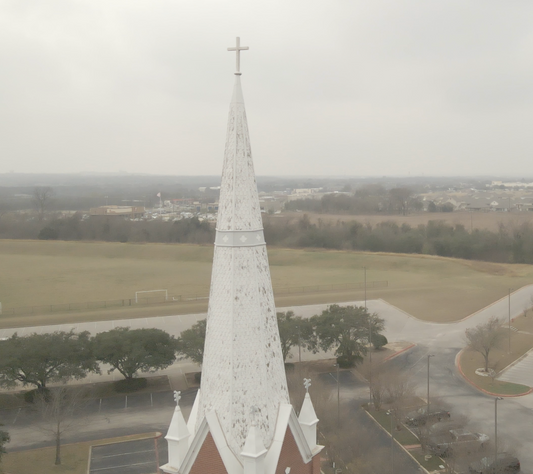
column 346, row 362
column 130, row 385
column 48, row 233
column 29, row 397
column 379, row 340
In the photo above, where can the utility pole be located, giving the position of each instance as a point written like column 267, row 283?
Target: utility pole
column 391, row 440
column 370, row 345
column 496, row 427
column 364, row 268
column 299, row 346
column 509, row 320
column 429, row 356
column 338, row 397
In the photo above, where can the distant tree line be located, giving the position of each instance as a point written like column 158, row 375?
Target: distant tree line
column 373, row 199
column 510, row 244
column 102, row 228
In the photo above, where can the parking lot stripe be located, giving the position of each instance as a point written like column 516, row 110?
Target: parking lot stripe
column 119, row 467
column 127, row 454
column 16, row 416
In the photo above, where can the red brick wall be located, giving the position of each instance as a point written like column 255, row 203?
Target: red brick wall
column 208, row 460
column 290, row 457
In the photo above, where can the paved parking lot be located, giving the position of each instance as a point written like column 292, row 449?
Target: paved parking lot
column 130, row 457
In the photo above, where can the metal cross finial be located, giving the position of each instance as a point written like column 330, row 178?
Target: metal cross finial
column 238, row 48
column 307, row 384
column 177, row 396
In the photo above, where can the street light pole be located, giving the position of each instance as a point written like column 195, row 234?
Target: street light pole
column 299, row 344
column 496, row 427
column 338, row 398
column 429, row 356
column 391, row 439
column 369, row 347
column 509, row 320
column 364, row 268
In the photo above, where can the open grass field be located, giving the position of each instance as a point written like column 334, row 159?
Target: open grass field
column 474, row 220
column 53, row 272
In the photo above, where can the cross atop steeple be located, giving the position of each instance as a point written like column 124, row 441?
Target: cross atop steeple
column 238, row 48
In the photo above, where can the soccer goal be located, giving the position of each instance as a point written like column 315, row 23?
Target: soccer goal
column 137, row 293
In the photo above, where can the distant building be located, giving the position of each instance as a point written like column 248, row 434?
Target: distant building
column 118, row 211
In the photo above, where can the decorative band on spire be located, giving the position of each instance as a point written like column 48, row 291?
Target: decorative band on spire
column 239, row 238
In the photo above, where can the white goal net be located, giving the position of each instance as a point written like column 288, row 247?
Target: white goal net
column 142, row 296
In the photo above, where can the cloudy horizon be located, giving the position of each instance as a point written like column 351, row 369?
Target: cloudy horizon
column 420, row 88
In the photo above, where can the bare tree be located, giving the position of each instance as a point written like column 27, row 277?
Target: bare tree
column 399, row 198
column 41, row 197
column 484, row 337
column 61, row 410
column 400, row 390
column 376, row 374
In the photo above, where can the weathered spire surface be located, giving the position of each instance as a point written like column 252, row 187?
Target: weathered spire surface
column 243, row 364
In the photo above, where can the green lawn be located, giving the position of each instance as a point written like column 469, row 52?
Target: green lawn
column 403, row 436
column 430, row 288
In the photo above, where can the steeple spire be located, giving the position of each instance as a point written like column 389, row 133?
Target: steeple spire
column 243, row 365
column 242, row 421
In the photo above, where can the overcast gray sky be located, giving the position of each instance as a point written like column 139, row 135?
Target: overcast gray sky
column 332, row 87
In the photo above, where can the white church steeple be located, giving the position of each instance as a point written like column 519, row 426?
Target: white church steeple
column 242, row 421
column 243, row 365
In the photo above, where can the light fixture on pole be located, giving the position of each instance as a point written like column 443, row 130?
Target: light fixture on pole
column 391, row 439
column 496, row 427
column 429, row 356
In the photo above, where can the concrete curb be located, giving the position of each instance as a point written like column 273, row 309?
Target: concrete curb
column 398, row 444
column 486, row 392
column 392, row 356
